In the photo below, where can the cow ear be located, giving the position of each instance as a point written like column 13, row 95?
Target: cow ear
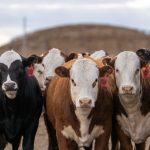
column 71, row 56
column 144, row 54
column 24, row 61
column 109, row 61
column 62, row 71
column 105, row 70
column 31, row 60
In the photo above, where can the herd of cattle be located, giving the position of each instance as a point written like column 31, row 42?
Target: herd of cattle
column 90, row 100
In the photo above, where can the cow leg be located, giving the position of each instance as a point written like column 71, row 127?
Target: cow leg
column 63, row 142
column 114, row 139
column 29, row 136
column 51, row 134
column 140, row 146
column 102, row 142
column 16, row 143
column 125, row 141
column 3, row 142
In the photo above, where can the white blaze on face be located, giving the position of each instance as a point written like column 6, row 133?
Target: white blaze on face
column 98, row 54
column 84, row 76
column 38, row 72
column 51, row 61
column 127, row 72
column 7, row 58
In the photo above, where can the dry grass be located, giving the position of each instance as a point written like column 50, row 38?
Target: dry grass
column 81, row 38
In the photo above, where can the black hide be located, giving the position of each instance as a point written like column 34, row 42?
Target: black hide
column 20, row 116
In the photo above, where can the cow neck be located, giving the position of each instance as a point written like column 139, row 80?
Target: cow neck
column 135, row 124
column 82, row 116
column 133, row 106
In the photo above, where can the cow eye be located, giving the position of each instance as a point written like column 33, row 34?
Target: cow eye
column 73, row 82
column 40, row 72
column 117, row 70
column 94, row 83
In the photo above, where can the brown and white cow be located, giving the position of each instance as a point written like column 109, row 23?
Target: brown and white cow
column 132, row 104
column 79, row 108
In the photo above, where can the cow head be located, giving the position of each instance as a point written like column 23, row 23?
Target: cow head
column 127, row 67
column 12, row 69
column 53, row 59
column 38, row 70
column 84, row 77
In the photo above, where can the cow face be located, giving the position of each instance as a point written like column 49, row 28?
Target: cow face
column 84, row 77
column 127, row 72
column 38, row 71
column 53, row 59
column 11, row 70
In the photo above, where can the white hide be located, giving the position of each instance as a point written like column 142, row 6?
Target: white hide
column 98, row 54
column 69, row 133
column 9, row 57
column 84, row 72
column 51, row 61
column 38, row 72
column 127, row 71
column 135, row 125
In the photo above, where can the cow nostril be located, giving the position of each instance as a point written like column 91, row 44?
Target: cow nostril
column 127, row 88
column 9, row 86
column 85, row 102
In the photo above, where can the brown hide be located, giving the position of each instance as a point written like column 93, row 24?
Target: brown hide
column 60, row 110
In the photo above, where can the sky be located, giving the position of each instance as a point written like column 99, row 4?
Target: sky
column 42, row 14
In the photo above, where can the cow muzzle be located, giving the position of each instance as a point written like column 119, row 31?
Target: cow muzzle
column 85, row 103
column 10, row 89
column 48, row 80
column 128, row 90
column 10, row 86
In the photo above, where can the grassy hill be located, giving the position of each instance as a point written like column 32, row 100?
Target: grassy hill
column 81, row 38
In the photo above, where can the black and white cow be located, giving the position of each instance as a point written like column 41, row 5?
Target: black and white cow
column 20, row 101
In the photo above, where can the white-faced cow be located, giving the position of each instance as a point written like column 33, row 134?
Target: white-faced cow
column 132, row 105
column 20, row 101
column 78, row 107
